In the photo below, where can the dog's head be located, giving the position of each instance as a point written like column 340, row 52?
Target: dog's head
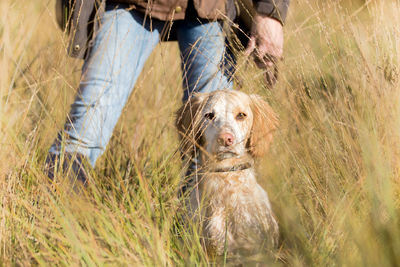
column 226, row 124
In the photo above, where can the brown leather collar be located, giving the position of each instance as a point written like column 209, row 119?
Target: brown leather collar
column 231, row 165
column 234, row 168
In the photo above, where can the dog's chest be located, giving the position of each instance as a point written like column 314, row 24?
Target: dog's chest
column 237, row 210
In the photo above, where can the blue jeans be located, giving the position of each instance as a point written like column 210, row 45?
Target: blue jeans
column 123, row 43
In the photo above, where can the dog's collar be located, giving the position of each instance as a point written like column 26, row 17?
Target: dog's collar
column 231, row 165
column 234, row 168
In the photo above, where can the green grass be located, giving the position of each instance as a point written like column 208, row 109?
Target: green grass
column 332, row 173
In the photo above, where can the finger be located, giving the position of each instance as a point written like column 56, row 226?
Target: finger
column 270, row 60
column 265, row 47
column 265, row 61
column 250, row 46
column 260, row 62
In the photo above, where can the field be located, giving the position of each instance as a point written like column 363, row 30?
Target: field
column 332, row 172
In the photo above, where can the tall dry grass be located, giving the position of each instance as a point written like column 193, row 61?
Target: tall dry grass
column 332, row 173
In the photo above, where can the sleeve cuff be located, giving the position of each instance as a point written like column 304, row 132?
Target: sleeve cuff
column 273, row 10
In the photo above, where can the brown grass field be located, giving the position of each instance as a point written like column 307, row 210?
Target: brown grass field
column 332, row 172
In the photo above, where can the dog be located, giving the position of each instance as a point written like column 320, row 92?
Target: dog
column 225, row 131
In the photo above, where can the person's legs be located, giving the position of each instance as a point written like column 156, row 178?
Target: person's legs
column 121, row 48
column 204, row 61
column 205, row 67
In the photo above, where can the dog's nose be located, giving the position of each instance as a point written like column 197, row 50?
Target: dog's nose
column 226, row 139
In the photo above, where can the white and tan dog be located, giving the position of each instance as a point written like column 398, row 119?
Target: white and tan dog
column 226, row 131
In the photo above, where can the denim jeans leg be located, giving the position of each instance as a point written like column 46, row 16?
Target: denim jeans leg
column 121, row 48
column 203, row 52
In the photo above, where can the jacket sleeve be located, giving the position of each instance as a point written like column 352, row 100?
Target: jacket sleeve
column 276, row 9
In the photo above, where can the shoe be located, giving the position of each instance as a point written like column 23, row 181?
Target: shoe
column 73, row 166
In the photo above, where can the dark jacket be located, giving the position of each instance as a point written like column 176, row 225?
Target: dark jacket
column 81, row 17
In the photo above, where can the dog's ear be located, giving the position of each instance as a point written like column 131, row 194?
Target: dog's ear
column 265, row 122
column 188, row 121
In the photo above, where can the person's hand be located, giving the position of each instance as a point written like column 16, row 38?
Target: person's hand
column 266, row 41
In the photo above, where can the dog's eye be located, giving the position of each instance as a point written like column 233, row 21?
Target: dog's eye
column 209, row 116
column 241, row 116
